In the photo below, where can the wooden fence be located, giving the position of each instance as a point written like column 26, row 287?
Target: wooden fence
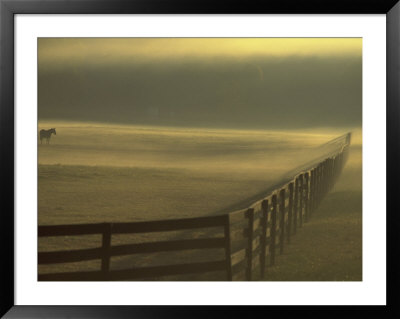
column 250, row 238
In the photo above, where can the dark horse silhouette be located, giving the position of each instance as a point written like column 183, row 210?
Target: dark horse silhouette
column 46, row 134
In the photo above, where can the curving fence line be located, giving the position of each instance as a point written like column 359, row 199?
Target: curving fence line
column 248, row 239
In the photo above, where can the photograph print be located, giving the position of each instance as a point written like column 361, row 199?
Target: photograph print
column 199, row 159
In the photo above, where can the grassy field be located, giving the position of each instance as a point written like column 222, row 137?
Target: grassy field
column 94, row 173
column 102, row 173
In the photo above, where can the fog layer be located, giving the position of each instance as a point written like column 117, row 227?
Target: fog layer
column 253, row 91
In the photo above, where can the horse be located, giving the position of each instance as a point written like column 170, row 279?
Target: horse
column 46, row 134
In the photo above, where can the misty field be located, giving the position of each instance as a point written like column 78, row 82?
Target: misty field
column 99, row 173
column 329, row 247
column 106, row 173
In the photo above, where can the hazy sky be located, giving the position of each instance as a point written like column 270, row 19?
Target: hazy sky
column 226, row 82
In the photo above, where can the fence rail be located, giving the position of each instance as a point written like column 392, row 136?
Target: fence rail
column 250, row 238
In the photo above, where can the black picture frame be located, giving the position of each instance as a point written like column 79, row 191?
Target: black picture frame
column 8, row 8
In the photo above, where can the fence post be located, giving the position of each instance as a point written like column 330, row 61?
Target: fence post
column 282, row 219
column 296, row 204
column 301, row 192
column 331, row 174
column 228, row 252
column 306, row 198
column 341, row 161
column 273, row 230
column 290, row 212
column 324, row 176
column 319, row 186
column 263, row 243
column 321, row 182
column 334, row 169
column 312, row 191
column 328, row 177
column 106, row 244
column 249, row 253
column 331, row 184
column 315, row 189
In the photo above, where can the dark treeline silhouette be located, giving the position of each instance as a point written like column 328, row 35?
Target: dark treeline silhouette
column 290, row 92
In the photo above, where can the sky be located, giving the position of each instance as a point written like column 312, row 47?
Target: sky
column 259, row 83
